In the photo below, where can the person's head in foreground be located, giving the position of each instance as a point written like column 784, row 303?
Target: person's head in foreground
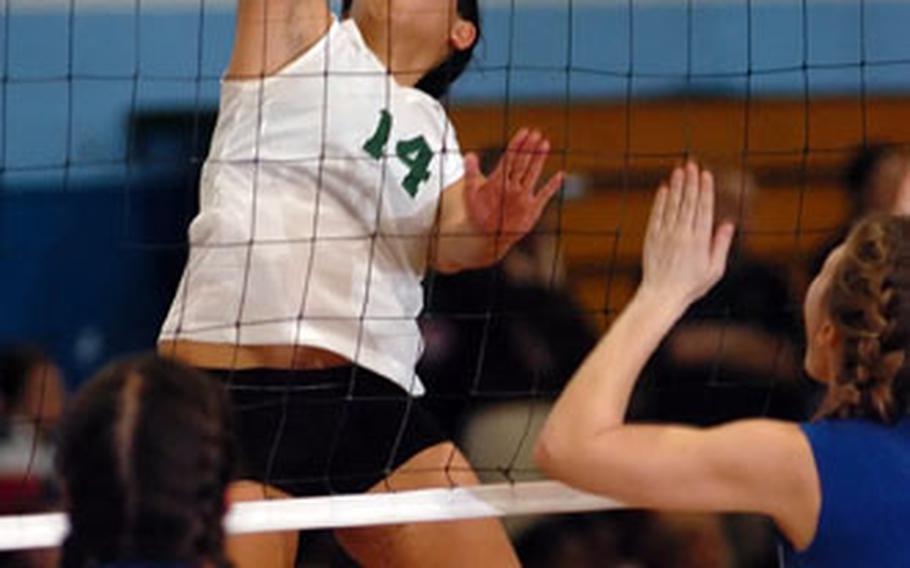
column 856, row 461
column 145, row 458
column 446, row 30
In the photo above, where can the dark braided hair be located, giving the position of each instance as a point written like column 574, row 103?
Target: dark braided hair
column 437, row 82
column 869, row 302
column 145, row 458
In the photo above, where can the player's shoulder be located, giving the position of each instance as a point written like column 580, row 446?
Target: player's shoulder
column 758, row 436
column 349, row 49
column 422, row 108
column 341, row 51
column 421, row 99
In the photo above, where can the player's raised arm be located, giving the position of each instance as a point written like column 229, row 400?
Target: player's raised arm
column 759, row 466
column 683, row 258
column 270, row 33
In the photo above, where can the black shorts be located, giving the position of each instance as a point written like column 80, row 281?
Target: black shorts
column 334, row 431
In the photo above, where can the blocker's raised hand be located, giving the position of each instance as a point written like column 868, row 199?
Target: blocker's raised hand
column 684, row 255
column 508, row 203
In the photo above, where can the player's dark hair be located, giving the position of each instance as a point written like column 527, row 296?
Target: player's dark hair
column 869, row 303
column 145, row 458
column 437, row 82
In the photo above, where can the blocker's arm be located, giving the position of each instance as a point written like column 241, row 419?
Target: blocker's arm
column 271, row 33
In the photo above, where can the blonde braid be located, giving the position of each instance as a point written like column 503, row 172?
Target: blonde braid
column 866, row 302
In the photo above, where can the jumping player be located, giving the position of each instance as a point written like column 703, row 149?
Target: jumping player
column 332, row 183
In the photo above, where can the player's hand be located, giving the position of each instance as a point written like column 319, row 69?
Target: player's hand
column 684, row 255
column 508, row 203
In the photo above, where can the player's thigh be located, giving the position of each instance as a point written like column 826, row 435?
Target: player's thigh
column 266, row 550
column 452, row 543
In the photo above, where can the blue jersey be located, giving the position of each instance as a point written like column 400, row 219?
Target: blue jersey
column 864, row 469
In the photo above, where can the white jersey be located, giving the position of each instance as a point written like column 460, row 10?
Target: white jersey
column 317, row 203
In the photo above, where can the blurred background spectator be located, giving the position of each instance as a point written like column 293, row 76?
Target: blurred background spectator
column 31, row 402
column 876, row 180
column 32, row 396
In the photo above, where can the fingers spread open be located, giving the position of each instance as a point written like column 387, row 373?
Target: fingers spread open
column 549, row 190
column 507, row 163
column 521, row 160
column 518, row 140
column 536, row 165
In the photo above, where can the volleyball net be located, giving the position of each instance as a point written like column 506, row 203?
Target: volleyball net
column 350, row 511
column 108, row 108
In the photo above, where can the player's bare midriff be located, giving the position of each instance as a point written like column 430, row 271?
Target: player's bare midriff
column 228, row 356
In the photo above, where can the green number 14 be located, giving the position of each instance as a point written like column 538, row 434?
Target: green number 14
column 415, row 153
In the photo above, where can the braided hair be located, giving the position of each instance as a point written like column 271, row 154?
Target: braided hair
column 437, row 82
column 145, row 458
column 869, row 302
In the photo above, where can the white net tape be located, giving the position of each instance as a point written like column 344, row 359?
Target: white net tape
column 495, row 500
